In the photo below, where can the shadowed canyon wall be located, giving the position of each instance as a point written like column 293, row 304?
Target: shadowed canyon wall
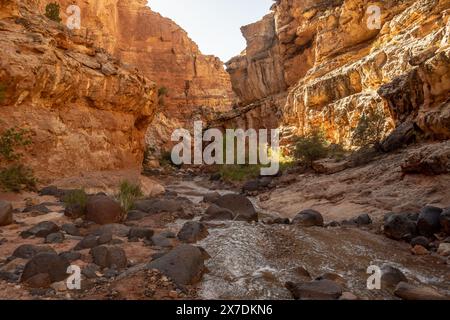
column 323, row 64
column 162, row 51
column 92, row 96
column 86, row 110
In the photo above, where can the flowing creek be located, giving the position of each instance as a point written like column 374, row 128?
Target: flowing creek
column 254, row 260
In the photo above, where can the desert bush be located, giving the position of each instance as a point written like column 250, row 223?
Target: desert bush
column 10, row 140
column 52, row 11
column 128, row 194
column 76, row 198
column 311, row 147
column 16, row 178
column 370, row 129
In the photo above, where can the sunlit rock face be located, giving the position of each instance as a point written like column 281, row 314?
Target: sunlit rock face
column 160, row 50
column 335, row 60
column 87, row 112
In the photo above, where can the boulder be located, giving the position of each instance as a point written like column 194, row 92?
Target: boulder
column 50, row 264
column 399, row 226
column 250, row 186
column 391, row 276
column 315, row 290
column 103, row 210
column 28, row 251
column 445, row 221
column 6, row 213
column 408, row 291
column 308, row 218
column 240, row 205
column 154, row 206
column 217, row 213
column 429, row 221
column 211, row 197
column 136, row 215
column 184, row 264
column 41, row 230
column 94, row 240
column 192, row 231
column 75, row 211
column 419, row 250
column 71, row 255
column 136, row 234
column 115, row 229
column 57, row 237
column 70, row 229
column 421, row 241
column 40, row 208
column 109, row 257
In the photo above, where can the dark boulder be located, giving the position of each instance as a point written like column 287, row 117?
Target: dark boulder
column 192, row 232
column 407, row 291
column 50, row 264
column 429, row 221
column 420, row 241
column 136, row 234
column 28, row 251
column 240, row 205
column 308, row 218
column 109, row 257
column 75, row 211
column 315, row 290
column 41, row 230
column 399, row 227
column 391, row 276
column 70, row 229
column 216, row 213
column 57, row 237
column 445, row 221
column 184, row 264
column 136, row 215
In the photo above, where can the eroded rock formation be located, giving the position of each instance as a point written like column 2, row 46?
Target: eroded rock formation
column 86, row 111
column 160, row 50
column 332, row 63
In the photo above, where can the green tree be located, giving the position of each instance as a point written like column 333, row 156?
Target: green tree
column 370, row 128
column 311, row 147
column 52, row 11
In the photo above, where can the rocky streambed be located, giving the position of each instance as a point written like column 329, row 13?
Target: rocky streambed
column 204, row 240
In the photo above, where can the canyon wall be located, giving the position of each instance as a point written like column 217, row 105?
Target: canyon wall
column 86, row 111
column 330, row 63
column 160, row 50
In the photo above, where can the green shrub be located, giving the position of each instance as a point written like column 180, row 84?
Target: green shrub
column 311, row 147
column 16, row 178
column 128, row 194
column 236, row 172
column 76, row 198
column 12, row 139
column 52, row 12
column 370, row 129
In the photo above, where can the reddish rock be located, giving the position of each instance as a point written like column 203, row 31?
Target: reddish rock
column 103, row 210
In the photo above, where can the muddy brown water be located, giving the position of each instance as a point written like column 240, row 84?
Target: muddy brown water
column 254, row 261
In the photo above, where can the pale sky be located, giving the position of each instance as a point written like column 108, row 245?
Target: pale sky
column 214, row 24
